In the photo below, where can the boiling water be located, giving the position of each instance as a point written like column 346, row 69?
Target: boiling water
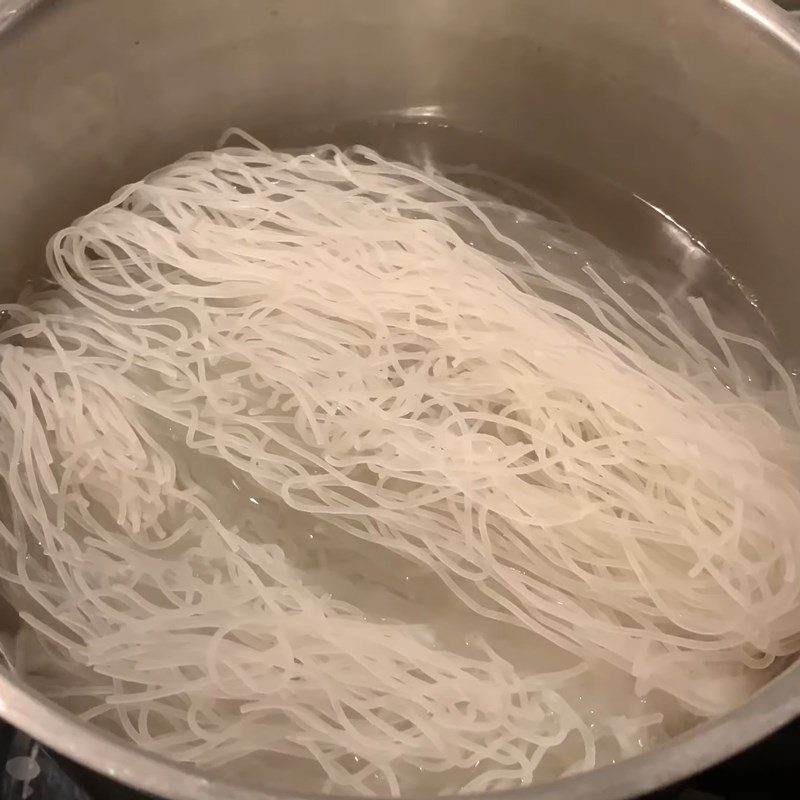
column 652, row 246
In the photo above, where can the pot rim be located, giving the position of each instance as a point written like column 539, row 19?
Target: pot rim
column 693, row 751
column 713, row 741
column 12, row 12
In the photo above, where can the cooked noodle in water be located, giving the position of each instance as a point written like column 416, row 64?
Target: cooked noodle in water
column 321, row 459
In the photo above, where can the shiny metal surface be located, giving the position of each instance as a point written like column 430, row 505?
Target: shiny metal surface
column 694, row 106
column 11, row 11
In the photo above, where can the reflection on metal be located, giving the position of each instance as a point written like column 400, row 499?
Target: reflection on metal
column 415, row 112
column 766, row 14
column 11, row 11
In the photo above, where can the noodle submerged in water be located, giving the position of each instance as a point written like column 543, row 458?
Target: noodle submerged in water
column 325, row 460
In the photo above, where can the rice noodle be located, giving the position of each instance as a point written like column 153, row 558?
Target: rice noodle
column 366, row 344
column 201, row 625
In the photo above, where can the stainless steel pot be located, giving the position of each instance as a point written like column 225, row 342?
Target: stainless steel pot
column 694, row 106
